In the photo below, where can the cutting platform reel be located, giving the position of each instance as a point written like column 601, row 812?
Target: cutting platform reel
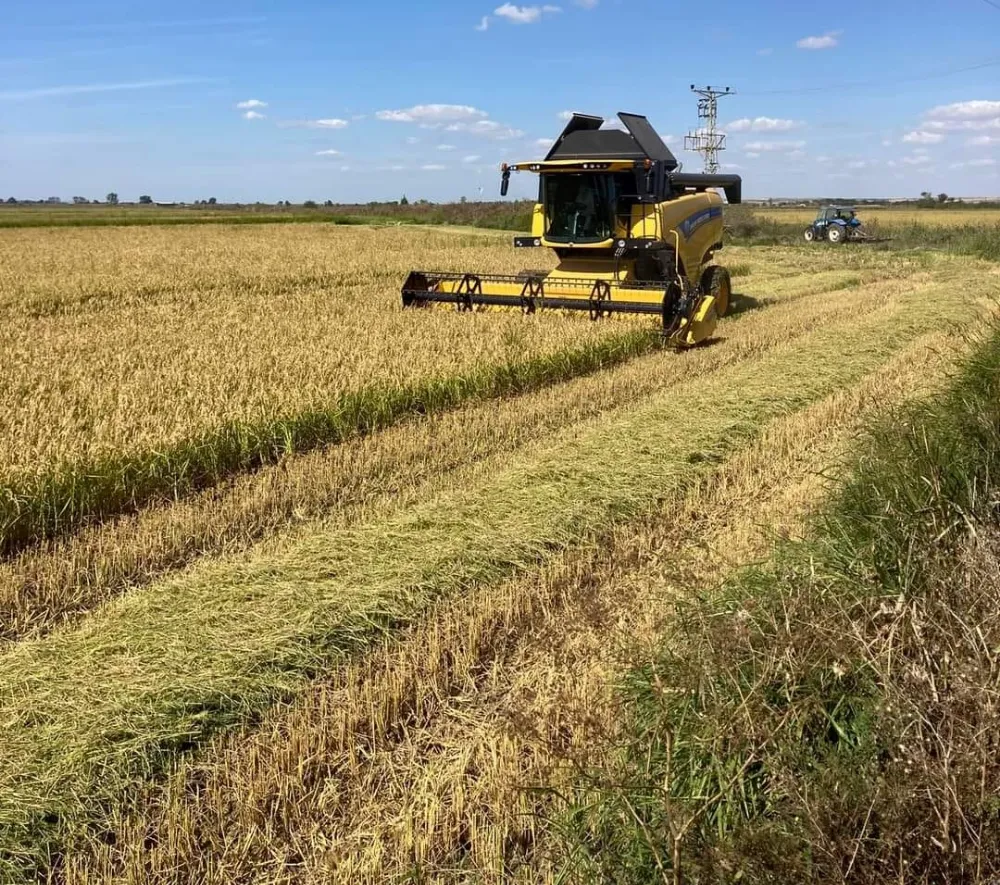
column 688, row 314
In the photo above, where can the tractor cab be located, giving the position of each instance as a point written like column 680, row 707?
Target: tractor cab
column 834, row 223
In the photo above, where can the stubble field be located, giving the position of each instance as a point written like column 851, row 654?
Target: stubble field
column 299, row 586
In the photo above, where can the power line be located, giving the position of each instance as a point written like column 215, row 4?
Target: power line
column 881, row 83
column 991, row 3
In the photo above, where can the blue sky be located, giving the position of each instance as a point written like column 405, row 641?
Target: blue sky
column 366, row 101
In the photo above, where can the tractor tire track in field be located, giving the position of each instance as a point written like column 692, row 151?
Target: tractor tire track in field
column 64, row 579
column 422, row 755
column 91, row 713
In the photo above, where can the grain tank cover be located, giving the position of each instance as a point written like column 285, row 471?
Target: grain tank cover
column 583, row 139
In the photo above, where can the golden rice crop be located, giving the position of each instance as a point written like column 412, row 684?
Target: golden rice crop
column 92, row 712
column 141, row 362
column 68, row 576
column 286, row 320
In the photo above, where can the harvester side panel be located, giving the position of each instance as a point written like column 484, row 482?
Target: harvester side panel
column 697, row 219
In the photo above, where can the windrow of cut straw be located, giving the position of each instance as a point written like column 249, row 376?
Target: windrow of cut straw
column 450, row 747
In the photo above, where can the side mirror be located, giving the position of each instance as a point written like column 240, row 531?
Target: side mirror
column 505, row 182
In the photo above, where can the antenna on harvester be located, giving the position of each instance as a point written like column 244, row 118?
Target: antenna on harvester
column 706, row 139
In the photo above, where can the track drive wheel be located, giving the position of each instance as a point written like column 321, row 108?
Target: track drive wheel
column 810, row 234
column 715, row 281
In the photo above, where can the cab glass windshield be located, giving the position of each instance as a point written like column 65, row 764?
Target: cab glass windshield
column 579, row 207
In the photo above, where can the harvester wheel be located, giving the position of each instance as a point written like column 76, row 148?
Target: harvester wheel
column 810, row 234
column 835, row 233
column 715, row 281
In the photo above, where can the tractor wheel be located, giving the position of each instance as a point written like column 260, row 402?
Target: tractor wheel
column 715, row 281
column 835, row 234
column 810, row 234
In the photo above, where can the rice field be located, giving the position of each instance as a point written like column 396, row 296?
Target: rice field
column 301, row 587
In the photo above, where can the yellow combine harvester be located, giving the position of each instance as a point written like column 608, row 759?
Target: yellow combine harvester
column 632, row 234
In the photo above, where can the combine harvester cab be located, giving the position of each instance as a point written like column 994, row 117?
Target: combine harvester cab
column 632, row 235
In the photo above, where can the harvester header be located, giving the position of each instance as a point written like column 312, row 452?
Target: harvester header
column 633, row 234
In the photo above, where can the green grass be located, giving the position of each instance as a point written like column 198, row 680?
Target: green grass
column 513, row 215
column 90, row 712
column 142, row 218
column 47, row 503
column 832, row 710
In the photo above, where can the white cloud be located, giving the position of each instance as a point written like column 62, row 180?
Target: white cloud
column 433, row 167
column 253, row 115
column 432, row 113
column 524, row 15
column 587, row 4
column 921, row 137
column 391, row 168
column 89, row 88
column 962, row 125
column 565, row 116
column 446, row 147
column 916, row 160
column 763, row 124
column 983, row 140
column 484, row 24
column 796, row 155
column 544, row 143
column 753, row 155
column 345, row 168
column 329, row 123
column 966, row 110
column 824, row 41
column 984, row 163
column 487, row 128
column 472, row 158
column 774, row 146
column 764, row 51
column 886, row 142
column 330, row 152
column 250, row 104
column 859, row 164
column 412, row 139
column 520, row 15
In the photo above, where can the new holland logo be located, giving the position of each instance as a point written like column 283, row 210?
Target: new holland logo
column 690, row 225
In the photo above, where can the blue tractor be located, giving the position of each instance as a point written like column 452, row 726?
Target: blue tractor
column 837, row 224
